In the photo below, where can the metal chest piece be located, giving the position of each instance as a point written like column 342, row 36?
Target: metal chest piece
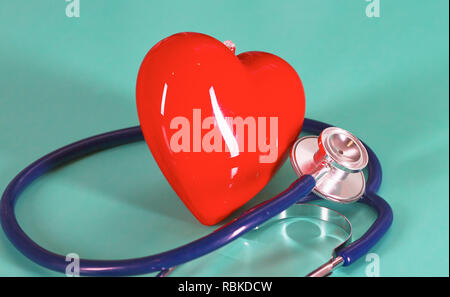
column 335, row 159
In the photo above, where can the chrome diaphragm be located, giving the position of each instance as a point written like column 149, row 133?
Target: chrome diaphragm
column 335, row 159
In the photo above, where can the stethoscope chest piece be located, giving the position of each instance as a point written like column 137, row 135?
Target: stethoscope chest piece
column 335, row 159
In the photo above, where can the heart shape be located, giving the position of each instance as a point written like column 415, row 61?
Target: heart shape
column 218, row 125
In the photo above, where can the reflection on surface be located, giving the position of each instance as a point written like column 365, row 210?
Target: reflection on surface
column 281, row 247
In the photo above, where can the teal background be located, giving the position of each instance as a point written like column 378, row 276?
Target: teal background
column 63, row 79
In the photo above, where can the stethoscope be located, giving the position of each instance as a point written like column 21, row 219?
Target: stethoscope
column 329, row 166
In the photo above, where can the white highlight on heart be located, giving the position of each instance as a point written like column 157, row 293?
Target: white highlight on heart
column 226, row 131
column 163, row 100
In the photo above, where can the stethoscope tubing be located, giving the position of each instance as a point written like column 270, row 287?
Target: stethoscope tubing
column 298, row 192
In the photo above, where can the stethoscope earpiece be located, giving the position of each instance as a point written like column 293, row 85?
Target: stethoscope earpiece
column 335, row 159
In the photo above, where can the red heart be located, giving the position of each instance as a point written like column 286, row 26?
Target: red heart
column 188, row 77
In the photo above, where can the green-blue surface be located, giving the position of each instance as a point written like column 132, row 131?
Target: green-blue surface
column 63, row 79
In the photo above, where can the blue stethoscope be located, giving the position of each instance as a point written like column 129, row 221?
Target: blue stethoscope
column 329, row 166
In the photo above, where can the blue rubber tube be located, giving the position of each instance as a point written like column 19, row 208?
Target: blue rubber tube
column 296, row 193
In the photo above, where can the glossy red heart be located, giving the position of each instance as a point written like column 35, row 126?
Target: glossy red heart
column 218, row 125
